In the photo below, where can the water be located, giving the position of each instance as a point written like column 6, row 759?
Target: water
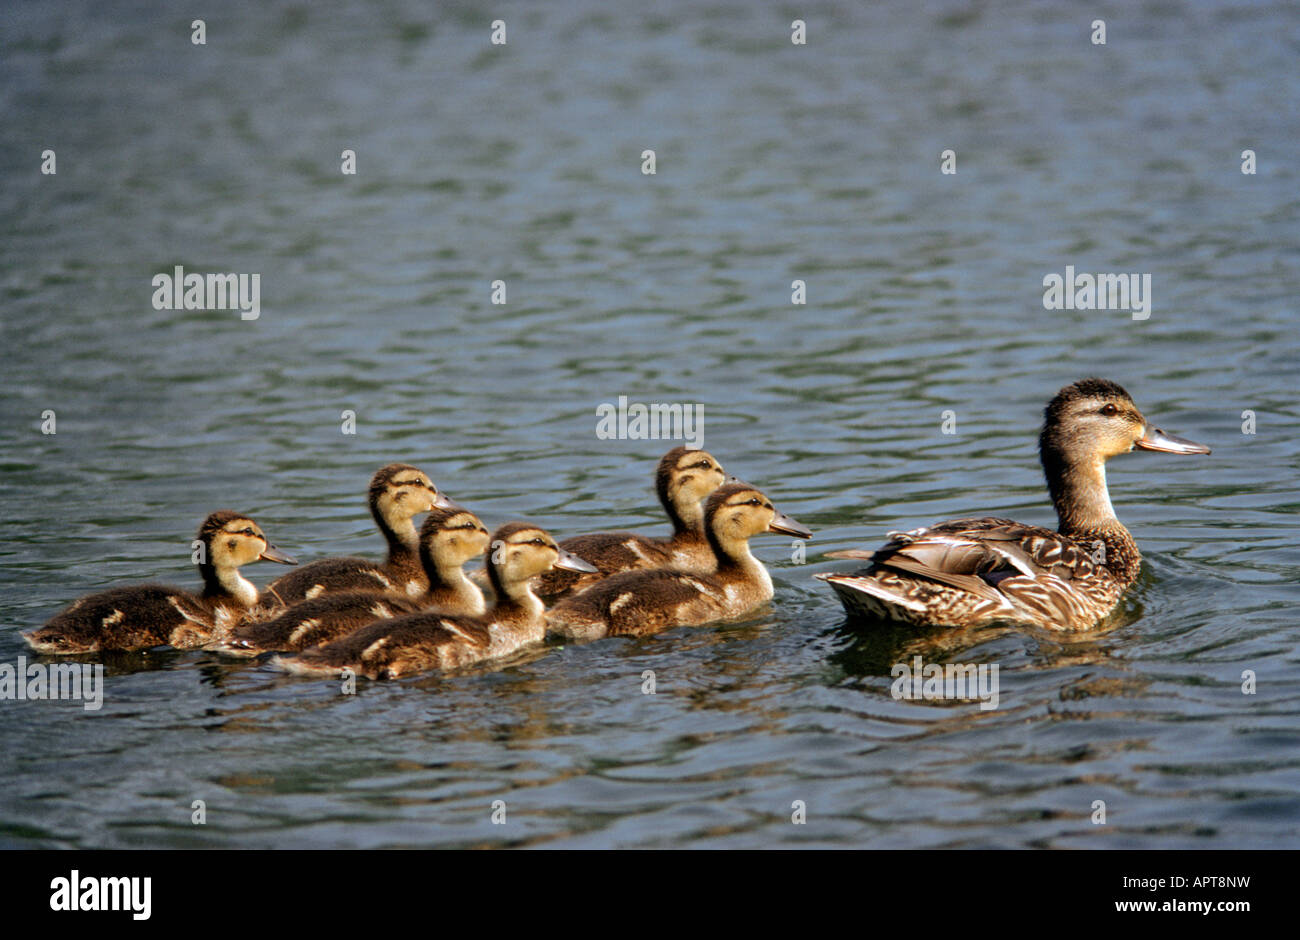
column 775, row 162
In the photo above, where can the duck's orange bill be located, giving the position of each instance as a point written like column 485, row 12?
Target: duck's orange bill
column 1156, row 439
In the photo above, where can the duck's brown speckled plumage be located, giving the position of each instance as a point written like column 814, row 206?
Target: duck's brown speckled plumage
column 634, row 603
column 424, row 642
column 975, row 571
column 397, row 493
column 683, row 478
column 147, row 615
column 448, row 539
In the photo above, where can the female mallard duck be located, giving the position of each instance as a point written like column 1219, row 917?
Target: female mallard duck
column 398, row 493
column 975, row 571
column 423, row 641
column 448, row 539
column 146, row 615
column 683, row 479
column 638, row 602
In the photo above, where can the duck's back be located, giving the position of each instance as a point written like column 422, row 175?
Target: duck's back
column 316, row 622
column 611, row 553
column 635, row 603
column 135, row 617
column 970, row 572
column 337, row 575
column 408, row 644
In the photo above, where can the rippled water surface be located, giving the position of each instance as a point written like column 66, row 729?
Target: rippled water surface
column 775, row 162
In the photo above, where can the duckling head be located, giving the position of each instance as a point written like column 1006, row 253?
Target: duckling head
column 232, row 540
column 521, row 551
column 451, row 537
column 736, row 512
column 400, row 491
column 685, row 477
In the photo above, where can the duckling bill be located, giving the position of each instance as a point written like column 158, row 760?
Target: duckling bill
column 970, row 572
column 147, row 615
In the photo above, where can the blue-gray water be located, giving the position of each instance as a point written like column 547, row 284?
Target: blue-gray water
column 775, row 162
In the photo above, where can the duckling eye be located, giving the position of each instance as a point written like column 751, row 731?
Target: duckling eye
column 755, row 502
column 248, row 532
column 1109, row 410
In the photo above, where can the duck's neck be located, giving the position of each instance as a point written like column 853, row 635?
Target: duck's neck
column 734, row 556
column 515, row 600
column 518, row 617
column 225, row 583
column 403, row 540
column 448, row 584
column 686, row 515
column 1085, row 514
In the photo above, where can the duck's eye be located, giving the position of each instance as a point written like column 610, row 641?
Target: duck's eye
column 250, row 532
column 1109, row 410
column 755, row 502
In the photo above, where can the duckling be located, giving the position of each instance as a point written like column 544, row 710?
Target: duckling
column 970, row 572
column 633, row 603
column 421, row 642
column 683, row 479
column 398, row 492
column 147, row 615
column 448, row 539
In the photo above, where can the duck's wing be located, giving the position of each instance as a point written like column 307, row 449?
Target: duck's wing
column 406, row 644
column 974, row 570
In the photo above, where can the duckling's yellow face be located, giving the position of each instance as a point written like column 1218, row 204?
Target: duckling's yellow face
column 408, row 493
column 695, row 475
column 524, row 554
column 458, row 539
column 738, row 512
column 239, row 541
column 521, row 551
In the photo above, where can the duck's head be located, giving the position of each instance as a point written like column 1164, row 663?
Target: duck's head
column 400, row 491
column 1094, row 420
column 736, row 512
column 684, row 478
column 451, row 537
column 232, row 540
column 521, row 551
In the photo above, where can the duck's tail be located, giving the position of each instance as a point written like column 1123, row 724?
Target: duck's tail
column 864, row 596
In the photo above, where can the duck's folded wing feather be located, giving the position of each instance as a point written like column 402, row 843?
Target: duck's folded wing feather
column 978, row 554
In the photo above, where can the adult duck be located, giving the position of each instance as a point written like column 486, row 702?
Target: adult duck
column 970, row 572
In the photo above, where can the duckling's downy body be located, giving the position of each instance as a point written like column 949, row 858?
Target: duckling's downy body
column 398, row 493
column 970, row 572
column 147, row 615
column 448, row 539
column 422, row 642
column 684, row 478
column 633, row 603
